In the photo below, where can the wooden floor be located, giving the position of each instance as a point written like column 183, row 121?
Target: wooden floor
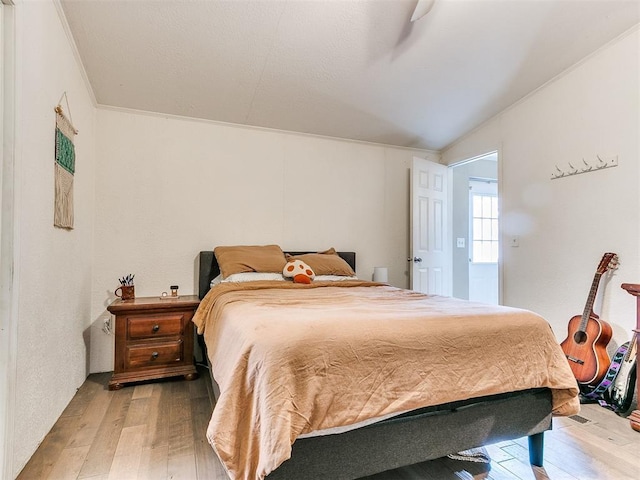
column 156, row 431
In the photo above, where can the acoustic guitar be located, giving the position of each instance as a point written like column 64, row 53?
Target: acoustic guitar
column 586, row 344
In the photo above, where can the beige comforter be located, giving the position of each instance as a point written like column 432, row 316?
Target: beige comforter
column 292, row 359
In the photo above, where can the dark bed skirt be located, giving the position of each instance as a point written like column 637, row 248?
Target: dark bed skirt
column 422, row 435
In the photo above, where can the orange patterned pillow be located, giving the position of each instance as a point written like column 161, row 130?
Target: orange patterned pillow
column 250, row 258
column 325, row 263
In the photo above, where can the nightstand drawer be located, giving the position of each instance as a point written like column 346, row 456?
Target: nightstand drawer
column 154, row 326
column 154, row 355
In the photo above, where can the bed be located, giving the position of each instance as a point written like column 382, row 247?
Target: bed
column 388, row 440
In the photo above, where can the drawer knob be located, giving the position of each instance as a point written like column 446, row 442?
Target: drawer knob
column 156, row 328
column 154, row 355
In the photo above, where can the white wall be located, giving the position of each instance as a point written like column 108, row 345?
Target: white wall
column 53, row 265
column 170, row 187
column 566, row 225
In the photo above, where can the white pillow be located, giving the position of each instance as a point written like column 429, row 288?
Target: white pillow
column 255, row 276
column 252, row 277
column 333, row 278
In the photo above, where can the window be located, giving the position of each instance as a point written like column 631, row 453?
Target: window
column 484, row 228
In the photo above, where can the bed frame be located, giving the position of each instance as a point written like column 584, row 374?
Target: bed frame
column 417, row 436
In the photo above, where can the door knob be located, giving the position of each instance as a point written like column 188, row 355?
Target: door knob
column 417, row 259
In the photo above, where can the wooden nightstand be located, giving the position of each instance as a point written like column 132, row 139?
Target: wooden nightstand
column 154, row 339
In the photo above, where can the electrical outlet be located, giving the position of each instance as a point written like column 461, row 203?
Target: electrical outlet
column 460, row 241
column 106, row 326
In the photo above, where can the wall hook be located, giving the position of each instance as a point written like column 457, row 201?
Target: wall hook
column 600, row 164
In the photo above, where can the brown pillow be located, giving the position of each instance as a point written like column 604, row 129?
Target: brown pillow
column 244, row 258
column 325, row 263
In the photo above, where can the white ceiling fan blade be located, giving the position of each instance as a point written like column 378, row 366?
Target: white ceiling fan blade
column 422, row 8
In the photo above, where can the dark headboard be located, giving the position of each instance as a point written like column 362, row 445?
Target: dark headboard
column 209, row 268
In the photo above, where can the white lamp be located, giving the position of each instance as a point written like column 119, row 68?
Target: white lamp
column 380, row 274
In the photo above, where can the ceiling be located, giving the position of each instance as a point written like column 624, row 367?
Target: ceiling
column 355, row 69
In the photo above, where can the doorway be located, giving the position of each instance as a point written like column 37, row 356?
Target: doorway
column 483, row 240
column 475, row 231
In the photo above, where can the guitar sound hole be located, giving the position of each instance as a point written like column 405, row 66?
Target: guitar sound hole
column 580, row 337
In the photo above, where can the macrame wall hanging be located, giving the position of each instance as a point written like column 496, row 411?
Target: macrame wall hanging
column 65, row 166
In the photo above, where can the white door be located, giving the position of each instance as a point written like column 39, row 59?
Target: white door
column 430, row 262
column 483, row 243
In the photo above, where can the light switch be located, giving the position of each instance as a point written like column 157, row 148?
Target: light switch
column 460, row 242
column 515, row 241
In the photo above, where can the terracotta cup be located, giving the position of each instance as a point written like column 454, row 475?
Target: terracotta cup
column 127, row 292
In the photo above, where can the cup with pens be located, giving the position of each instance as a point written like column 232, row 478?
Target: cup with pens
column 127, row 289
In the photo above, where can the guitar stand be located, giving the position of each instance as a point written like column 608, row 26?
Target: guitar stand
column 634, row 289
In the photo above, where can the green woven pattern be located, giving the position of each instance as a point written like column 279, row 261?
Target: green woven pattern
column 65, row 152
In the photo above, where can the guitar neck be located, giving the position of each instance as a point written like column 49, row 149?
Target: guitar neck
column 631, row 351
column 588, row 308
